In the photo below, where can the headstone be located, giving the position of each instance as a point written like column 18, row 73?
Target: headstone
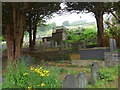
column 52, row 43
column 45, row 40
column 94, row 72
column 113, row 46
column 111, row 58
column 81, row 80
column 56, row 44
column 68, row 82
column 61, row 45
column 75, row 82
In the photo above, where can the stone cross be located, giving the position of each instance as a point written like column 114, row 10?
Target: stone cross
column 113, row 46
column 94, row 72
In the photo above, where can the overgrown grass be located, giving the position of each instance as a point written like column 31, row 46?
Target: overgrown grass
column 22, row 76
column 108, row 77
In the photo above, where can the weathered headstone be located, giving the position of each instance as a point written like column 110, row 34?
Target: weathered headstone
column 56, row 44
column 68, row 82
column 75, row 82
column 113, row 46
column 81, row 80
column 94, row 72
column 52, row 43
column 61, row 45
column 111, row 58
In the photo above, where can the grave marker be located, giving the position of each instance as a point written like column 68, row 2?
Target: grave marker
column 81, row 80
column 113, row 46
column 68, row 82
column 94, row 72
column 75, row 82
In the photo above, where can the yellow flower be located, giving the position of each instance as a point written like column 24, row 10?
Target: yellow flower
column 25, row 74
column 29, row 87
column 42, row 74
column 47, row 71
column 42, row 84
column 40, row 67
column 31, row 68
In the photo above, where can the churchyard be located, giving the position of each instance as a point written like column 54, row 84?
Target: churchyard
column 36, row 54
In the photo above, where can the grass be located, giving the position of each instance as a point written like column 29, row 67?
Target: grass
column 23, row 77
column 108, row 78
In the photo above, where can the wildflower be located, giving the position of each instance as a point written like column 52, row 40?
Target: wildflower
column 25, row 74
column 29, row 87
column 31, row 68
column 42, row 84
column 40, row 67
column 42, row 74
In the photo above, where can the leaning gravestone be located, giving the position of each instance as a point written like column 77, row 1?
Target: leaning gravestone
column 94, row 72
column 75, row 82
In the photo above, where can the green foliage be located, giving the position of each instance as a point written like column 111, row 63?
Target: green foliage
column 87, row 35
column 107, row 75
column 34, row 77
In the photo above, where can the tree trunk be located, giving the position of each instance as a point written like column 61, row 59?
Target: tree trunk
column 100, row 35
column 14, row 36
column 34, row 36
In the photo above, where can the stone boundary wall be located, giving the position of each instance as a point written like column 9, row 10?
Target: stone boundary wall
column 93, row 53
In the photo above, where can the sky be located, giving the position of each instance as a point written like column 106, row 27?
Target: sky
column 59, row 19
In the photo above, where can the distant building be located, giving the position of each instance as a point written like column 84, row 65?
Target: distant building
column 59, row 35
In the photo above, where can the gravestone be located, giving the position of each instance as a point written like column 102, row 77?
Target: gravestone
column 75, row 82
column 81, row 80
column 68, row 82
column 111, row 58
column 61, row 45
column 113, row 46
column 94, row 72
column 56, row 44
column 52, row 43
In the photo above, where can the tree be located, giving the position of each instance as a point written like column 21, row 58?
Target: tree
column 35, row 16
column 66, row 23
column 98, row 9
column 14, row 23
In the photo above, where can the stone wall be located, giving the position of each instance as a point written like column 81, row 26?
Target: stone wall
column 93, row 53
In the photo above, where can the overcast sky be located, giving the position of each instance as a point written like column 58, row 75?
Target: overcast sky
column 59, row 19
